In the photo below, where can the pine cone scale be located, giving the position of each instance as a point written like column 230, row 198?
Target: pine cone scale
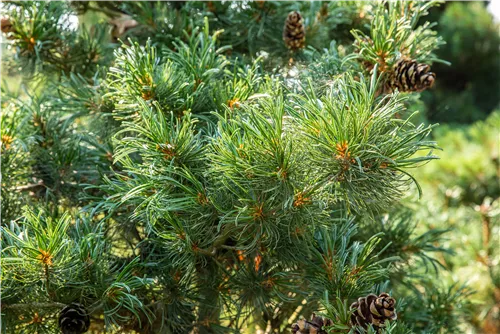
column 373, row 310
column 314, row 326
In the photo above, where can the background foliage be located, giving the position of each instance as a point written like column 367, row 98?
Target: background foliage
column 137, row 143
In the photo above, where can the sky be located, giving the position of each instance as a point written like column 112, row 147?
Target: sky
column 494, row 8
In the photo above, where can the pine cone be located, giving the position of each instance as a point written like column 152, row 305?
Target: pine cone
column 6, row 25
column 410, row 76
column 294, row 32
column 314, row 326
column 74, row 319
column 373, row 310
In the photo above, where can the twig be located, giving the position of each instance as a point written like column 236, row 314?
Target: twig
column 486, row 232
column 208, row 252
column 29, row 186
column 33, row 305
column 229, row 247
column 218, row 242
column 47, row 281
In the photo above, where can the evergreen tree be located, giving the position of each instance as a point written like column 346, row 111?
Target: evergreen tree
column 218, row 167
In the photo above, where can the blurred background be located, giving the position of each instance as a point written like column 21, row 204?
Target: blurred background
column 462, row 189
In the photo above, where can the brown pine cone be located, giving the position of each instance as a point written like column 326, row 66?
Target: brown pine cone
column 410, row 76
column 373, row 310
column 74, row 319
column 314, row 326
column 6, row 25
column 294, row 32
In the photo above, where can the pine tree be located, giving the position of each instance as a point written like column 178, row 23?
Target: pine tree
column 179, row 168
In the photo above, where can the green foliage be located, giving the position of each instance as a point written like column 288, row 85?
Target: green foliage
column 371, row 148
column 467, row 90
column 15, row 164
column 159, row 20
column 469, row 167
column 463, row 200
column 204, row 178
column 343, row 270
column 53, row 261
column 438, row 309
column 398, row 231
column 45, row 41
column 61, row 158
column 394, row 34
column 185, row 80
column 244, row 189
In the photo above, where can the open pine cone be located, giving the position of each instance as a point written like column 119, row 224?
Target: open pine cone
column 410, row 76
column 74, row 319
column 374, row 310
column 314, row 326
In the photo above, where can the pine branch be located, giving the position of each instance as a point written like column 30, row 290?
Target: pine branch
column 28, row 187
column 234, row 183
column 33, row 305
